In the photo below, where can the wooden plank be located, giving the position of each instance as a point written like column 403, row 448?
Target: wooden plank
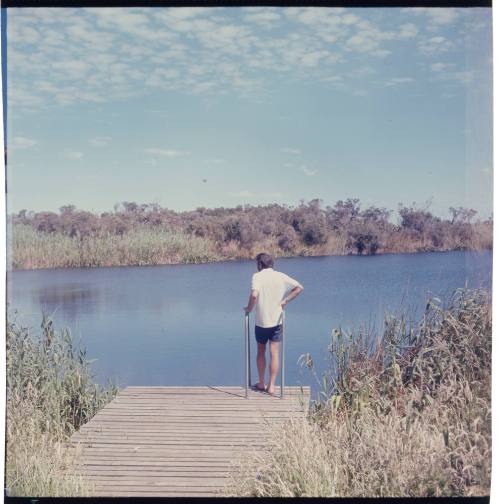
column 156, row 493
column 138, row 435
column 184, row 443
column 206, row 389
column 88, row 438
column 167, row 483
column 110, row 447
column 145, row 438
column 171, row 474
column 152, row 466
column 161, row 407
column 87, row 441
column 179, row 441
column 221, row 422
column 174, row 429
column 256, row 415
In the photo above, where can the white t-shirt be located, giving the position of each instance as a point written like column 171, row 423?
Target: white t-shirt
column 273, row 287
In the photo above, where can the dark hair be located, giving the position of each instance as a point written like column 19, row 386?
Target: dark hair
column 264, row 261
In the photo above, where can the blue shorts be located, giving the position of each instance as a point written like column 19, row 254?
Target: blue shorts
column 265, row 334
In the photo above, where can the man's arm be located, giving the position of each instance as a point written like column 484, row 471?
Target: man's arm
column 251, row 301
column 292, row 295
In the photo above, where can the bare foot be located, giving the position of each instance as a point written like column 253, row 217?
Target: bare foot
column 259, row 386
column 270, row 390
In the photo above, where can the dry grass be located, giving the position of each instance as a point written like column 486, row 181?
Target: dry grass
column 407, row 416
column 30, row 249
column 142, row 245
column 39, row 463
column 50, row 394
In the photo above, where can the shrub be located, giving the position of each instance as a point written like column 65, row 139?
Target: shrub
column 406, row 415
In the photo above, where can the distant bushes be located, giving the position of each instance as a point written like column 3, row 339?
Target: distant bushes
column 149, row 234
column 408, row 414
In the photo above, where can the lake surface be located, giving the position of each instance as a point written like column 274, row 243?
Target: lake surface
column 183, row 325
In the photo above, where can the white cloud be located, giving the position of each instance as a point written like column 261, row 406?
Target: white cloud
column 465, row 77
column 435, row 45
column 436, row 16
column 441, row 67
column 407, row 30
column 313, row 58
column 273, row 195
column 369, row 39
column 395, row 81
column 184, row 12
column 170, row 153
column 265, row 196
column 100, row 141
column 215, row 161
column 445, row 71
column 22, row 34
column 242, row 194
column 290, row 150
column 20, row 143
column 264, row 18
column 334, row 79
column 97, row 55
column 73, row 155
column 308, row 171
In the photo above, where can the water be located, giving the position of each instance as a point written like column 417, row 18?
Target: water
column 183, row 325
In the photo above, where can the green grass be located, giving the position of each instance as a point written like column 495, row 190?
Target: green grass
column 409, row 415
column 50, row 394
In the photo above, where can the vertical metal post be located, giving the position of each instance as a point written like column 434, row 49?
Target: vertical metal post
column 249, row 353
column 247, row 359
column 282, row 381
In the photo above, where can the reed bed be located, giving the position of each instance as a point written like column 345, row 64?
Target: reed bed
column 50, row 394
column 31, row 249
column 146, row 244
column 408, row 414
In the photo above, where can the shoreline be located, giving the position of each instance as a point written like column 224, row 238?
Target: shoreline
column 244, row 259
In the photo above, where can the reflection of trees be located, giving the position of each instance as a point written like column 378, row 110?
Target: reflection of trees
column 68, row 298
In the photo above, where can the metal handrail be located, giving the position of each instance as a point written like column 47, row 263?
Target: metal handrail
column 248, row 374
column 282, row 378
column 247, row 354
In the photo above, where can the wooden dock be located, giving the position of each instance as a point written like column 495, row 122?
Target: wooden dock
column 179, row 441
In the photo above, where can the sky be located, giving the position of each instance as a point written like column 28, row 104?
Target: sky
column 210, row 107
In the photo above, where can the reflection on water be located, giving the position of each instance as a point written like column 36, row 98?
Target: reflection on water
column 71, row 296
column 70, row 293
column 183, row 325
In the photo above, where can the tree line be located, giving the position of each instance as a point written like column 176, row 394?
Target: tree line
column 310, row 228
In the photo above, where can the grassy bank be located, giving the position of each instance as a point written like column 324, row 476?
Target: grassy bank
column 50, row 394
column 409, row 415
column 142, row 245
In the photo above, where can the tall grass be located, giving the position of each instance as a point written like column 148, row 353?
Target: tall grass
column 146, row 245
column 30, row 249
column 50, row 394
column 406, row 415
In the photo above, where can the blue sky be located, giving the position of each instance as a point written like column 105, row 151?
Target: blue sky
column 218, row 107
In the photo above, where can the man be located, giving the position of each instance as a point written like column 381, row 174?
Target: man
column 271, row 291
